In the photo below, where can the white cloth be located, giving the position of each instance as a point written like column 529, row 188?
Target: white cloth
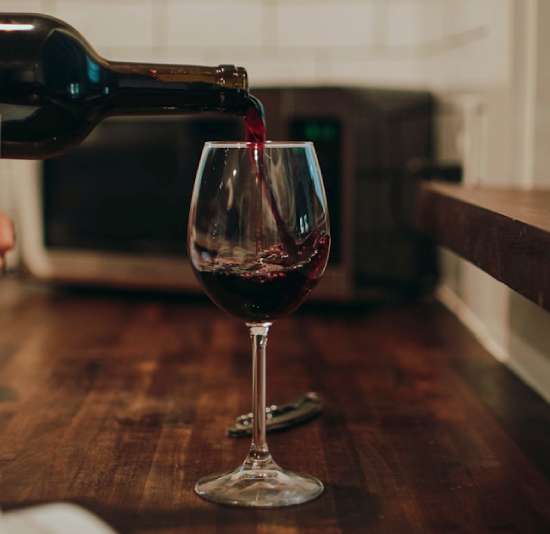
column 56, row 518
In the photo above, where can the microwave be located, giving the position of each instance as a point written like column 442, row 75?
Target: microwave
column 113, row 211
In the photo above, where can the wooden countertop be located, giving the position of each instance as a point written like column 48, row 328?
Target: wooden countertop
column 119, row 403
column 505, row 232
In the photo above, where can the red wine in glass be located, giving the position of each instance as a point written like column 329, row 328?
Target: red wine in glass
column 269, row 289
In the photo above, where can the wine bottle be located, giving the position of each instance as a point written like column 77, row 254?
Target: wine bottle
column 54, row 88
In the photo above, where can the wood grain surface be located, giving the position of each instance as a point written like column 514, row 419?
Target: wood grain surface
column 119, row 403
column 505, row 232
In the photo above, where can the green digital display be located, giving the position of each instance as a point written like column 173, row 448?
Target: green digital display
column 320, row 131
column 326, row 134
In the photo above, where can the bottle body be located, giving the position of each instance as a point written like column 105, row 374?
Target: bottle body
column 54, row 88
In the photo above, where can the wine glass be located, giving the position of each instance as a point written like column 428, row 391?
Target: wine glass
column 259, row 241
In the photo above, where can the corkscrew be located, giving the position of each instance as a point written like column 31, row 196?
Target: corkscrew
column 282, row 416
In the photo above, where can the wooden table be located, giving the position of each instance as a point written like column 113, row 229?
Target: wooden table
column 119, row 403
column 505, row 232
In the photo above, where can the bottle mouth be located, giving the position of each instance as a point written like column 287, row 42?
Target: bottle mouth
column 242, row 75
column 232, row 76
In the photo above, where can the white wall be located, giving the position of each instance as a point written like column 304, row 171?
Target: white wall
column 416, row 42
column 483, row 58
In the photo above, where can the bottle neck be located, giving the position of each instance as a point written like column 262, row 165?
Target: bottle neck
column 142, row 88
column 227, row 76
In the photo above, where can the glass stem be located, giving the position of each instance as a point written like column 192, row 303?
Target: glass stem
column 259, row 454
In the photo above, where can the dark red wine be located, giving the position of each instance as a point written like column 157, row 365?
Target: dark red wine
column 255, row 127
column 254, row 121
column 54, row 88
column 272, row 286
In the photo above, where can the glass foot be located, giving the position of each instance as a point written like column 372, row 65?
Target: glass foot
column 268, row 486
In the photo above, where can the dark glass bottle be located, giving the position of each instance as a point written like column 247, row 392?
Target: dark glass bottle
column 54, row 88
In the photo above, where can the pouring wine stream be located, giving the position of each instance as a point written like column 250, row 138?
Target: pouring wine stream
column 255, row 126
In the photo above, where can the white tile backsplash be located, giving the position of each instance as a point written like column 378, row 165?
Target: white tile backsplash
column 378, row 72
column 415, row 23
column 326, row 24
column 182, row 55
column 281, row 71
column 471, row 66
column 466, row 15
column 22, row 6
column 107, row 24
column 138, row 54
column 211, row 23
